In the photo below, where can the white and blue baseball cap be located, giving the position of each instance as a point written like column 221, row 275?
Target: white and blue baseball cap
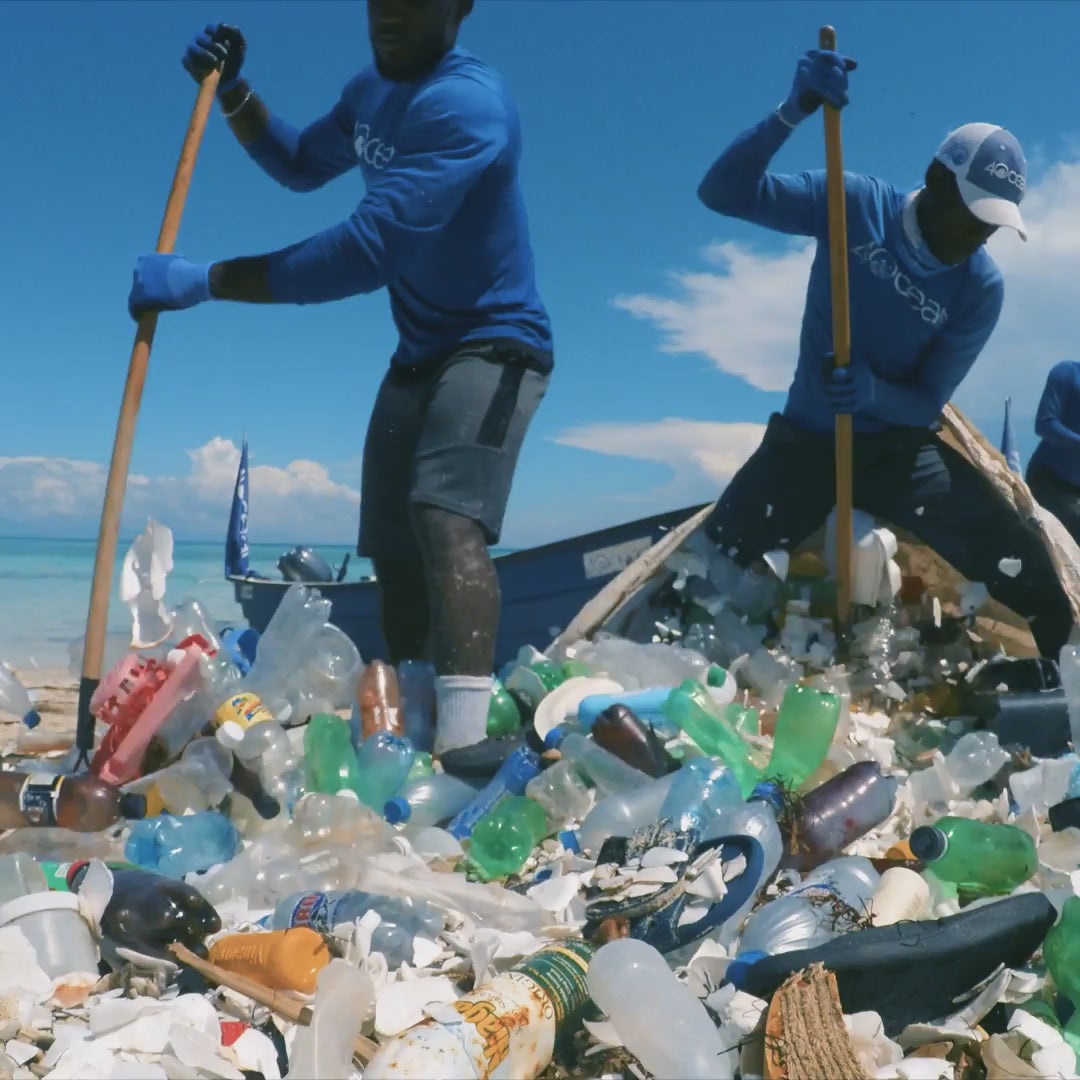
column 990, row 172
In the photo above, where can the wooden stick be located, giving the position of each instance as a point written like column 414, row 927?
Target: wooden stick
column 109, row 528
column 275, row 1000
column 838, row 262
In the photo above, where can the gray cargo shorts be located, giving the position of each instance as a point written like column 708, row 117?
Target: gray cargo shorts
column 447, row 434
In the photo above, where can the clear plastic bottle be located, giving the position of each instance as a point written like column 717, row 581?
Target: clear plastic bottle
column 344, row 996
column 429, row 800
column 607, row 773
column 658, row 1017
column 265, row 748
column 976, row 758
column 810, row 914
column 15, row 699
column 621, row 814
column 562, row 793
column 701, row 791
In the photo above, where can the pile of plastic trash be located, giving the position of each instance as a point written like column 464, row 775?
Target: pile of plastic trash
column 720, row 843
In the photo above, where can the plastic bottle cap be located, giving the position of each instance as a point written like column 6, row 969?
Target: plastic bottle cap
column 769, row 792
column 32, row 719
column 132, row 805
column 569, row 840
column 716, row 676
column 397, row 809
column 73, row 870
column 553, row 739
column 230, row 734
column 928, row 843
column 737, row 969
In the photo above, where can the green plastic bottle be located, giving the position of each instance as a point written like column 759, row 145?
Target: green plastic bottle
column 504, row 717
column 504, row 837
column 805, row 726
column 421, row 766
column 743, row 718
column 329, row 758
column 690, row 708
column 1061, row 951
column 987, row 860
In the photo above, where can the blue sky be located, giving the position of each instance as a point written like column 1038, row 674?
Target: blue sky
column 624, row 104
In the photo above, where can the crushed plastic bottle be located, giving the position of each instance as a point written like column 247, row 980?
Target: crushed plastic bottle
column 15, row 699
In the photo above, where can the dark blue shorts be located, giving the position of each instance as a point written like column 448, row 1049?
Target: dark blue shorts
column 909, row 478
column 446, row 434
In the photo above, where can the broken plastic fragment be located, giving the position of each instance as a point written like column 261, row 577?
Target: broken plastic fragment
column 147, row 563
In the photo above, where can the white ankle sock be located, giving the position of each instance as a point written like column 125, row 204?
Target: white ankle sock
column 461, row 710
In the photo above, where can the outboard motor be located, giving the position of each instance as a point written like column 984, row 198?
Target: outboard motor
column 306, row 565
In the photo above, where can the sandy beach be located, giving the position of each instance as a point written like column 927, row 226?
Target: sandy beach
column 56, row 697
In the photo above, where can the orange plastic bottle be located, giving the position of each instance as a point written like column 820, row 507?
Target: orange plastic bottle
column 279, row 959
column 380, row 700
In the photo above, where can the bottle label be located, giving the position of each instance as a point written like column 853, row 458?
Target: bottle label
column 38, row 798
column 508, row 1027
column 312, row 910
column 560, row 971
column 245, row 709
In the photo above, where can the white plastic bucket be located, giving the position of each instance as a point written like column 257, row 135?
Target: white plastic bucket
column 58, row 933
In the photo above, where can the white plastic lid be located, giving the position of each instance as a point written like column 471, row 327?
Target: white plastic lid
column 230, row 734
column 32, row 903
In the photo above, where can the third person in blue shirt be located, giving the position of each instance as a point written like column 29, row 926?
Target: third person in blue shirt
column 925, row 296
column 1053, row 474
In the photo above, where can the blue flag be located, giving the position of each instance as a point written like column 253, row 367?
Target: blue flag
column 1008, row 440
column 236, row 542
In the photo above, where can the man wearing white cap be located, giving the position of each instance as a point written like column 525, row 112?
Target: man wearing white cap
column 925, row 296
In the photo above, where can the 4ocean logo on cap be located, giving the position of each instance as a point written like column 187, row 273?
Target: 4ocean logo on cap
column 1001, row 171
column 369, row 148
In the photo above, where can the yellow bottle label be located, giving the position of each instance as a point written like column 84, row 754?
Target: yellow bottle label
column 244, row 709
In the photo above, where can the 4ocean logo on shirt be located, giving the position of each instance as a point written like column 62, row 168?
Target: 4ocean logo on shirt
column 369, row 148
column 883, row 265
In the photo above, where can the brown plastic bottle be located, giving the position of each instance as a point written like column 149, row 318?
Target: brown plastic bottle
column 618, row 730
column 380, row 700
column 83, row 803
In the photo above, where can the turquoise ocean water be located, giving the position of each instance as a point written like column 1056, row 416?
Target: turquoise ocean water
column 45, row 590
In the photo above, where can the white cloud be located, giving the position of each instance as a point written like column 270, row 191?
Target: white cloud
column 298, row 500
column 745, row 314
column 702, row 455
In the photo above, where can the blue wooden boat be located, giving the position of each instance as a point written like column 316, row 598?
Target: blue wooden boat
column 542, row 587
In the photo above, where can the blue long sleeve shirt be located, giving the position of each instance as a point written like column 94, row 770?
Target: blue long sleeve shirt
column 442, row 224
column 917, row 323
column 1057, row 423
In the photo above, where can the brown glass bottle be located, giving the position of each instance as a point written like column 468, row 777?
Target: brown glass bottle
column 380, row 700
column 82, row 803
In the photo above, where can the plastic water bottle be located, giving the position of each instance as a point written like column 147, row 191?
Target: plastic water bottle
column 15, row 699
column 608, row 773
column 402, row 919
column 429, row 800
column 976, row 758
column 383, row 761
column 504, row 838
column 265, row 748
column 1069, row 667
column 701, row 790
column 329, row 758
column 561, row 792
column 809, row 914
column 514, row 773
column 658, row 1017
column 621, row 814
column 836, row 813
column 175, row 846
column 344, row 996
column 805, row 726
column 976, row 856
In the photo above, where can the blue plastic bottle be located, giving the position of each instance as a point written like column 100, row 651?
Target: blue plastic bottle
column 175, row 846
column 514, row 773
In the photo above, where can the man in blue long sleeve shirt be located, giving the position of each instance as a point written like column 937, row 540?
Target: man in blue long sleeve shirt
column 443, row 228
column 1053, row 474
column 925, row 296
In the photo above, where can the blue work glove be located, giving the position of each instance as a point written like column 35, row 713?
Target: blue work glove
column 167, row 283
column 821, row 76
column 850, row 389
column 218, row 46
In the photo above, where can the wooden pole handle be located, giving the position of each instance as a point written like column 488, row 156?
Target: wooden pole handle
column 109, row 527
column 838, row 264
